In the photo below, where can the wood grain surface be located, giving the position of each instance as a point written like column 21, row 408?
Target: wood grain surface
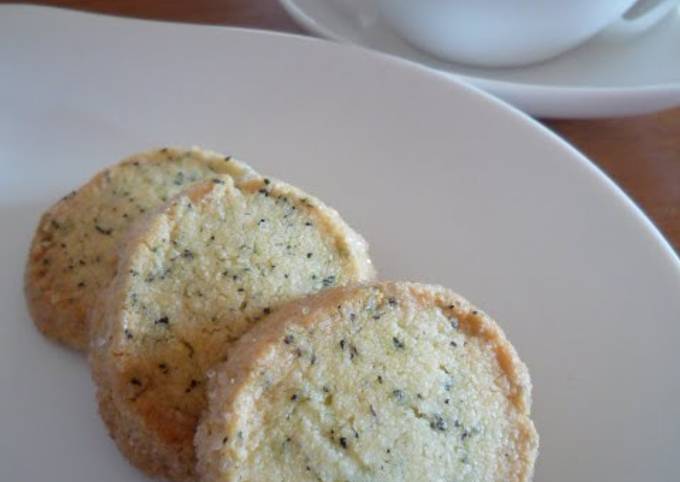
column 642, row 154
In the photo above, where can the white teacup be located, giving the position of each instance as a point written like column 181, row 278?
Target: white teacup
column 496, row 33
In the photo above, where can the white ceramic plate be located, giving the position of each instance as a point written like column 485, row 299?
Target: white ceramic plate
column 449, row 185
column 616, row 73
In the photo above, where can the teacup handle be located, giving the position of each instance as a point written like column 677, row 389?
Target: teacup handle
column 643, row 15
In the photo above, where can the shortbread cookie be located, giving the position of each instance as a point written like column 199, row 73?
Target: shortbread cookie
column 74, row 249
column 194, row 277
column 389, row 382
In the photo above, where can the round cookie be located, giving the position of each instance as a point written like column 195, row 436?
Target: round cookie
column 193, row 278
column 394, row 381
column 74, row 249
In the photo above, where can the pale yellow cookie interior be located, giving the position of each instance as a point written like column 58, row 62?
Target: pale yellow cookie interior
column 217, row 260
column 74, row 251
column 385, row 384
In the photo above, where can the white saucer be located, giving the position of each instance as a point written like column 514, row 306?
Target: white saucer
column 614, row 74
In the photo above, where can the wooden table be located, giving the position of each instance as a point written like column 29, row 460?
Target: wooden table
column 642, row 154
